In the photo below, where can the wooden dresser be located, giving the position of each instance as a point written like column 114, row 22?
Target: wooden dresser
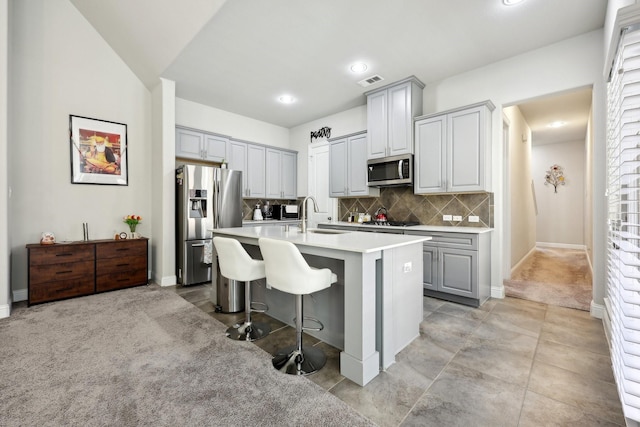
column 67, row 270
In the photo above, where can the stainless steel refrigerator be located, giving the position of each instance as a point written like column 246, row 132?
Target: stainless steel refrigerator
column 206, row 198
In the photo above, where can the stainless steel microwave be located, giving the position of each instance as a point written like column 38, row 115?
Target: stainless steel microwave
column 390, row 171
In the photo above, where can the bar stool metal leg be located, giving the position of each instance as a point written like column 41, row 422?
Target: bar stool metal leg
column 249, row 330
column 299, row 359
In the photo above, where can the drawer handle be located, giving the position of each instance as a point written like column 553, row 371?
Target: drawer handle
column 123, row 249
column 123, row 265
column 65, row 254
column 64, row 272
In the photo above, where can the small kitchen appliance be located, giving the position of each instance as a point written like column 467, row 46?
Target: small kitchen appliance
column 390, row 171
column 267, row 210
column 286, row 212
column 257, row 213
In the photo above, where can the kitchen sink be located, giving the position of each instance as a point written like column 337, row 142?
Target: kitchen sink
column 326, row 231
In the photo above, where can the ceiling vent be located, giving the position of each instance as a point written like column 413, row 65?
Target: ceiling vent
column 370, row 80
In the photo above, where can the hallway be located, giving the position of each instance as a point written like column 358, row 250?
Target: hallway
column 554, row 276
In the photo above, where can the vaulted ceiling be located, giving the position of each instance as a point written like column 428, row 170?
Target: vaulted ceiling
column 240, row 56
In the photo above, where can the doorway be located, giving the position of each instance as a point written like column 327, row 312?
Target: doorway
column 548, row 185
column 318, row 180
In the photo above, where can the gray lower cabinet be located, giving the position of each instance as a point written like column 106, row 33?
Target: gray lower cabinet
column 457, row 266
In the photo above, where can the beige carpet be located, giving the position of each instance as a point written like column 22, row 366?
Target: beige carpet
column 146, row 357
column 554, row 276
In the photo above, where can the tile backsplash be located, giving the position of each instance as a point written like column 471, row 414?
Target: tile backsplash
column 403, row 205
column 248, row 205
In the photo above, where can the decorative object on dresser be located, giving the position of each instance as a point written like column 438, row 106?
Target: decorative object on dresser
column 47, row 238
column 98, row 151
column 67, row 270
column 132, row 221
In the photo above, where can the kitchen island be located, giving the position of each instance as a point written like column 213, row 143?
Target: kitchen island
column 375, row 308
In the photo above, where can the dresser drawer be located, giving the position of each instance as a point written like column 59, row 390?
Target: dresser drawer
column 121, row 279
column 49, row 291
column 63, row 271
column 55, row 254
column 116, row 265
column 121, row 249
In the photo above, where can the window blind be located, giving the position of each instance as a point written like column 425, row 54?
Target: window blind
column 623, row 190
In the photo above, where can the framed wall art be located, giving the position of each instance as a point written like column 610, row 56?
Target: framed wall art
column 98, row 151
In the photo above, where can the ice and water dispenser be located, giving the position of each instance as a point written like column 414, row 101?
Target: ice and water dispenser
column 197, row 203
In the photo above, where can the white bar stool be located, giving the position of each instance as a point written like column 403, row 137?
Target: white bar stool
column 236, row 264
column 288, row 271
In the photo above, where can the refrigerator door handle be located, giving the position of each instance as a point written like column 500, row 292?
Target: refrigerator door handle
column 198, row 246
column 216, row 201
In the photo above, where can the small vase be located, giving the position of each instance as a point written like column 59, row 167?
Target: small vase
column 133, row 234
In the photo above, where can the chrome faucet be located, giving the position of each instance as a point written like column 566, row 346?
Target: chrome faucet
column 303, row 223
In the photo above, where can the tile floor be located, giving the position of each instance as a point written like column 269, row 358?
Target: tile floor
column 510, row 362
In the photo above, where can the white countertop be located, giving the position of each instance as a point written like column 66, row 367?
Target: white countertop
column 269, row 221
column 350, row 241
column 434, row 228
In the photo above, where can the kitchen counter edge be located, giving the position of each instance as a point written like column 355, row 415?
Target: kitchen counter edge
column 434, row 228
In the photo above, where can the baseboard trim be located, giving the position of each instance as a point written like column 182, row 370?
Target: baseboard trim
column 20, row 295
column 5, row 311
column 561, row 245
column 597, row 310
column 533, row 249
column 497, row 292
column 167, row 281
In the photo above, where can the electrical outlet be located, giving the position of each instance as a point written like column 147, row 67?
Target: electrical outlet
column 457, row 218
column 407, row 267
column 473, row 218
column 447, row 218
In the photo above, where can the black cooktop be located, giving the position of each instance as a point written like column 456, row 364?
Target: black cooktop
column 392, row 223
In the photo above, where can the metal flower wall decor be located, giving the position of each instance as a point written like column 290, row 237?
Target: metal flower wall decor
column 555, row 177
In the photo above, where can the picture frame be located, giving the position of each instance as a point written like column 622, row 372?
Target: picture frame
column 98, row 151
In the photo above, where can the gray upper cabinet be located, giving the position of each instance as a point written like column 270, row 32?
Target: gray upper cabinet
column 266, row 171
column 238, row 161
column 390, row 113
column 453, row 150
column 196, row 145
column 256, row 186
column 348, row 167
column 281, row 174
column 250, row 159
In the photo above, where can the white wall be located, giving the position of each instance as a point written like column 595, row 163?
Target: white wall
column 60, row 66
column 163, row 263
column 523, row 218
column 4, row 162
column 588, row 191
column 344, row 123
column 203, row 117
column 573, row 63
column 560, row 217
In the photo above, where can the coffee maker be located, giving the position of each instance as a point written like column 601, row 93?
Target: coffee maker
column 267, row 210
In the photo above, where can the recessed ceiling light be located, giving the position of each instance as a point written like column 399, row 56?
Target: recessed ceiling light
column 358, row 67
column 511, row 2
column 557, row 124
column 287, row 99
